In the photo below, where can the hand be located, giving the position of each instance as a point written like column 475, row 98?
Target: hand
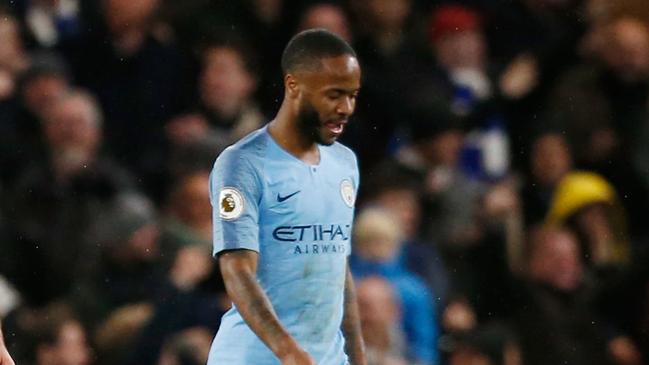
column 298, row 357
column 520, row 77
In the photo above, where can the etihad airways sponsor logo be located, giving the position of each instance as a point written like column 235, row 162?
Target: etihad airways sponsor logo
column 319, row 249
column 312, row 233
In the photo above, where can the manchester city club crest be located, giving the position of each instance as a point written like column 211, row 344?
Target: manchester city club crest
column 347, row 192
column 231, row 203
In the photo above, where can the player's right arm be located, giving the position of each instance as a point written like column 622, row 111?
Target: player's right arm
column 239, row 268
column 236, row 192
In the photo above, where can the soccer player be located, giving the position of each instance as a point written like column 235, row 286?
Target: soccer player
column 5, row 358
column 283, row 201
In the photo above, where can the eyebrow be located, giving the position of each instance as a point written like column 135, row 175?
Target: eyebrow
column 343, row 90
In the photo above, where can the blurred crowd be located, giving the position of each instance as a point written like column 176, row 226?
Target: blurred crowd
column 503, row 146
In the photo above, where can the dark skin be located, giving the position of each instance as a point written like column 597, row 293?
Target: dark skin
column 317, row 105
column 354, row 345
column 330, row 93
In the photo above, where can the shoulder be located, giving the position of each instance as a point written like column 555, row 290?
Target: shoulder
column 241, row 164
column 344, row 153
column 249, row 150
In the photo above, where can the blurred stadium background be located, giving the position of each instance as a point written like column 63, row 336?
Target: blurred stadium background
column 504, row 149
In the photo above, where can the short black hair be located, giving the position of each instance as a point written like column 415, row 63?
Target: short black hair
column 307, row 48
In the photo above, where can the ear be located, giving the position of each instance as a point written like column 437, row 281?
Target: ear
column 291, row 86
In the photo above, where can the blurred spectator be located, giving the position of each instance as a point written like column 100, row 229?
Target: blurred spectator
column 625, row 302
column 492, row 344
column 188, row 220
column 377, row 240
column 188, row 308
column 64, row 343
column 116, row 336
column 12, row 56
column 51, row 23
column 268, row 24
column 450, row 196
column 460, row 48
column 550, row 160
column 196, row 294
column 225, row 112
column 189, row 347
column 192, row 21
column 588, row 203
column 137, row 75
column 73, row 131
column 384, row 50
column 53, row 202
column 388, row 24
column 13, row 61
column 473, row 223
column 52, row 335
column 44, row 81
column 329, row 16
column 559, row 300
column 187, row 232
column 602, row 106
column 133, row 291
column 457, row 38
column 226, row 86
column 395, row 191
column 126, row 269
column 531, row 43
column 381, row 322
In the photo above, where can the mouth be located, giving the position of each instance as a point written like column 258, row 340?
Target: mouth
column 336, row 127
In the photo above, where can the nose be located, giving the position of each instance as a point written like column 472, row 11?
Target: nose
column 346, row 106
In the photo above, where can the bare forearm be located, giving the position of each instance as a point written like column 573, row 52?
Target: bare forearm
column 354, row 346
column 256, row 309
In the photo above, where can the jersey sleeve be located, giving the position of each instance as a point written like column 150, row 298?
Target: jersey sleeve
column 235, row 194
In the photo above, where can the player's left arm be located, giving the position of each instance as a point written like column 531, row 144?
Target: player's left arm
column 354, row 346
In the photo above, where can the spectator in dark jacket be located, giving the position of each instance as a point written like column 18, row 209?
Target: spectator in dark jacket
column 556, row 319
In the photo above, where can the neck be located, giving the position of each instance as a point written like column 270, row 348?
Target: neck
column 287, row 134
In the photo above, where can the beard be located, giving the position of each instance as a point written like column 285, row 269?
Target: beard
column 309, row 125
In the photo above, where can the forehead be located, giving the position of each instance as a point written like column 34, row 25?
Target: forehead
column 222, row 55
column 342, row 71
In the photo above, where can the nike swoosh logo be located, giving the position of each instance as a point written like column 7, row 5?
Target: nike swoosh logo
column 282, row 198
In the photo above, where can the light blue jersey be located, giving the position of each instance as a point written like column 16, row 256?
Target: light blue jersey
column 298, row 217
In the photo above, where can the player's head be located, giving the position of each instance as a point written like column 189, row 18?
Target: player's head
column 322, row 79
